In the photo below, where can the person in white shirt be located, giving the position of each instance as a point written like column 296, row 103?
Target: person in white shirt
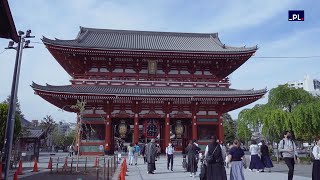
column 224, row 152
column 169, row 152
column 255, row 162
column 316, row 161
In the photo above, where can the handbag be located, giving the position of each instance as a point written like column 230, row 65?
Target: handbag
column 211, row 159
column 244, row 163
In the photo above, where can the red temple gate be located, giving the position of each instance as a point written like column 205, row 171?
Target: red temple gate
column 139, row 85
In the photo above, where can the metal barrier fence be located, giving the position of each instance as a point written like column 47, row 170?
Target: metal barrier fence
column 100, row 166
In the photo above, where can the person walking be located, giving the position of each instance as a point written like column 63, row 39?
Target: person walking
column 151, row 154
column 255, row 161
column 158, row 152
column 130, row 154
column 224, row 153
column 238, row 162
column 289, row 152
column 316, row 161
column 169, row 153
column 136, row 153
column 265, row 156
column 215, row 161
column 192, row 151
column 143, row 152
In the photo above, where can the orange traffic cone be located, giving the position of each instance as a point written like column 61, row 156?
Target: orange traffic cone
column 35, row 166
column 50, row 164
column 15, row 176
column 20, row 168
column 123, row 174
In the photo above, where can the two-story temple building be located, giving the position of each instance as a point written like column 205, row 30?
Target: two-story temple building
column 139, row 85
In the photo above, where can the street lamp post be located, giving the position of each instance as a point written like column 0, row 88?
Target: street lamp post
column 13, row 98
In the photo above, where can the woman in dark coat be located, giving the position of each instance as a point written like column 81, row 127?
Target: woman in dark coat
column 192, row 151
column 265, row 156
column 215, row 169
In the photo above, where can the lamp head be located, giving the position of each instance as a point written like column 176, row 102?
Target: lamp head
column 26, row 45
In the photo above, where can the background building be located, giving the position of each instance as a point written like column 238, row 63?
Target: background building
column 309, row 84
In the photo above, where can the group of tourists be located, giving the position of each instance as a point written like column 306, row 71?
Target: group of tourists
column 257, row 162
column 216, row 158
column 133, row 153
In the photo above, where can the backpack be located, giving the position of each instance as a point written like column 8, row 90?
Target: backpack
column 136, row 149
column 203, row 172
column 281, row 153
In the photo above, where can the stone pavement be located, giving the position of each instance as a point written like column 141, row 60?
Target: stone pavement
column 139, row 172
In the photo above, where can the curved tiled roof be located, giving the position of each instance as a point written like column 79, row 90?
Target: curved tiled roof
column 147, row 91
column 148, row 41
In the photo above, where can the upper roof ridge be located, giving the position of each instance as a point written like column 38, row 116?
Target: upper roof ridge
column 168, row 33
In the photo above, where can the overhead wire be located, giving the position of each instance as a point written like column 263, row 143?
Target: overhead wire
column 3, row 51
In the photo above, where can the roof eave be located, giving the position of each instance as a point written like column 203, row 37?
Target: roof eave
column 47, row 42
column 11, row 32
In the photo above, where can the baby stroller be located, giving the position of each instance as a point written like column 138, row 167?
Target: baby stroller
column 184, row 163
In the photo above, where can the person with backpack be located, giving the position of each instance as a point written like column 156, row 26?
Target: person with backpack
column 316, row 160
column 288, row 149
column 215, row 161
column 136, row 153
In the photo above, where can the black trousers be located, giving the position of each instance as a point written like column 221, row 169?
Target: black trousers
column 170, row 159
column 290, row 163
column 316, row 170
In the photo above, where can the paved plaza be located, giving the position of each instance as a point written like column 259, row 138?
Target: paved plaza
column 139, row 172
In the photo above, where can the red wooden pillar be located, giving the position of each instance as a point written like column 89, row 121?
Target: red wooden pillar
column 136, row 129
column 220, row 127
column 108, row 138
column 194, row 128
column 166, row 130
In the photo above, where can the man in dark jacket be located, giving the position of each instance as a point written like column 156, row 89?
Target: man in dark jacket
column 151, row 154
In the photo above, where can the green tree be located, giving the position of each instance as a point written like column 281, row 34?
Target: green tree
column 3, row 119
column 47, row 125
column 18, row 106
column 229, row 128
column 243, row 131
column 306, row 120
column 287, row 109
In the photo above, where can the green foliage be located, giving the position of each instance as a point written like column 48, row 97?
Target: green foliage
column 287, row 98
column 62, row 140
column 287, row 109
column 3, row 119
column 243, row 131
column 47, row 125
column 229, row 127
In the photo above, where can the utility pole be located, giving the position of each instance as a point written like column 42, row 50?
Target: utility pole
column 13, row 98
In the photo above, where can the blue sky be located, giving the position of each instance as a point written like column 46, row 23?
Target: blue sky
column 238, row 22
